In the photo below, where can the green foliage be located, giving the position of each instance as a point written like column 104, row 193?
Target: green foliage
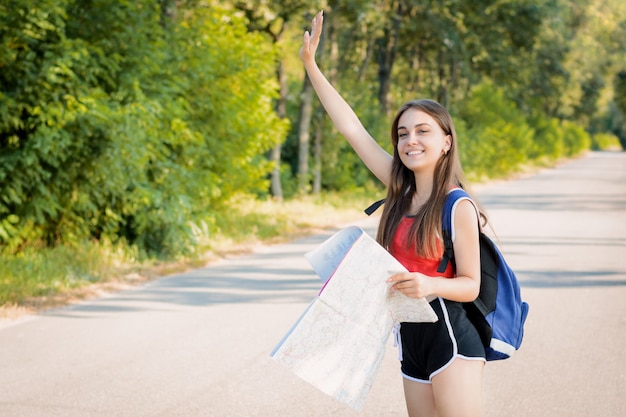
column 575, row 139
column 605, row 142
column 549, row 141
column 498, row 36
column 112, row 126
column 620, row 90
column 341, row 167
column 616, row 114
column 497, row 137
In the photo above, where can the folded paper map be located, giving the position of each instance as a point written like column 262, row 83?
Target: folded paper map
column 338, row 343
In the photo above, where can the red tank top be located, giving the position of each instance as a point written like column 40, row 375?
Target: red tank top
column 405, row 254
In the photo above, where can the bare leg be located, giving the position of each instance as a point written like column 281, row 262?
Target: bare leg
column 420, row 401
column 458, row 390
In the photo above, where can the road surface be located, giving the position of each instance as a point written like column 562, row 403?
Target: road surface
column 198, row 344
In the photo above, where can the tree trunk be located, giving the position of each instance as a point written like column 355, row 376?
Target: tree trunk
column 366, row 59
column 281, row 111
column 168, row 12
column 442, row 93
column 304, row 128
column 387, row 47
column 319, row 128
column 317, row 155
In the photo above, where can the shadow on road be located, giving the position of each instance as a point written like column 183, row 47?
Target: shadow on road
column 570, row 279
column 565, row 202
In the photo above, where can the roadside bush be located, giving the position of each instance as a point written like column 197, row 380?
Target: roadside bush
column 605, row 142
column 115, row 126
column 548, row 142
column 497, row 137
column 575, row 138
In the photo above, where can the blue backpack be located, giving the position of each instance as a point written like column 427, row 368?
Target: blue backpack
column 499, row 312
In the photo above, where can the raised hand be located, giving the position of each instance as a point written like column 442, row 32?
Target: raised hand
column 311, row 40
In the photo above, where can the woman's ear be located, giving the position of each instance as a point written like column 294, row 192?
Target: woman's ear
column 448, row 144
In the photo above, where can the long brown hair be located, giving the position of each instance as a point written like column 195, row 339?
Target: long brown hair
column 426, row 228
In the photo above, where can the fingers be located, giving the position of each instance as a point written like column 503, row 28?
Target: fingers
column 316, row 25
column 399, row 281
column 410, row 284
column 305, row 49
column 306, row 39
column 310, row 40
column 316, row 28
column 398, row 277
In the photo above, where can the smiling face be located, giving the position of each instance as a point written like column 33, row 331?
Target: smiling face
column 421, row 141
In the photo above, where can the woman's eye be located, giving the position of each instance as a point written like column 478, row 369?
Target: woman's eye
column 422, row 131
column 402, row 135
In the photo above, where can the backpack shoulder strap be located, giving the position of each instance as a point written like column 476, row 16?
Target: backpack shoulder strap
column 454, row 197
column 374, row 206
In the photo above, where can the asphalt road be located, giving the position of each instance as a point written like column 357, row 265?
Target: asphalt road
column 198, row 344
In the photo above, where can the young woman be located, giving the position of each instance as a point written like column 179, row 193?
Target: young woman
column 442, row 362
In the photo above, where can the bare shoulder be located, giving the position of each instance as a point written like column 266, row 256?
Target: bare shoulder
column 466, row 215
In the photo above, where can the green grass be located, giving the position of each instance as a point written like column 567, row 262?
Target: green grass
column 45, row 272
column 45, row 277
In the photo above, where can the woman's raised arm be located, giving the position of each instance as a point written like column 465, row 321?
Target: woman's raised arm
column 345, row 119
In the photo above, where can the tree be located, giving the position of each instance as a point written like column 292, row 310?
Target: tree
column 114, row 127
column 273, row 19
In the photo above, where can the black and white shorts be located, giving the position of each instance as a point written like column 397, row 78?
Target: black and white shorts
column 426, row 349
